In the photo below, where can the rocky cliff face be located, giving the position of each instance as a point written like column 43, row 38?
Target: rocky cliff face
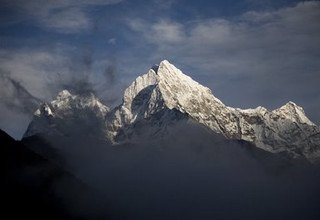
column 164, row 96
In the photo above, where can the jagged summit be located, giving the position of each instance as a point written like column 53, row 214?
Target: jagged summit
column 164, row 96
column 296, row 112
column 66, row 113
column 45, row 110
column 64, row 94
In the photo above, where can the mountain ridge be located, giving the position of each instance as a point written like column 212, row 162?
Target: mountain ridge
column 164, row 95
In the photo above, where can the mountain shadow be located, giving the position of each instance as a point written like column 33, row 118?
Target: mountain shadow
column 38, row 188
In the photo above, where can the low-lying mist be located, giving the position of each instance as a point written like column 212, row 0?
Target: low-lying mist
column 190, row 173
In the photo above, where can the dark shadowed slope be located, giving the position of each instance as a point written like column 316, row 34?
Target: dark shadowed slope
column 36, row 188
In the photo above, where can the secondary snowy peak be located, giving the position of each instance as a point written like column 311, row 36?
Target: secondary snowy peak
column 66, row 103
column 44, row 110
column 137, row 86
column 138, row 101
column 66, row 113
column 293, row 112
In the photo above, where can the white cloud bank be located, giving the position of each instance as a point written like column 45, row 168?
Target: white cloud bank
column 63, row 16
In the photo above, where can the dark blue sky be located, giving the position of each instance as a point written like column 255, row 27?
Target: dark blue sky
column 249, row 53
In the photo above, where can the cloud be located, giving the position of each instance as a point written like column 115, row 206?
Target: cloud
column 34, row 67
column 112, row 41
column 163, row 31
column 28, row 76
column 67, row 21
column 184, row 164
column 61, row 16
column 23, row 83
column 17, row 104
column 15, row 96
column 45, row 71
column 258, row 58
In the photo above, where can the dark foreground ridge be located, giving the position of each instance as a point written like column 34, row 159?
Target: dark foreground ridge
column 36, row 188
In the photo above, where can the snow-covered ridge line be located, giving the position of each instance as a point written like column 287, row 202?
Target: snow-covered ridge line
column 164, row 89
column 66, row 112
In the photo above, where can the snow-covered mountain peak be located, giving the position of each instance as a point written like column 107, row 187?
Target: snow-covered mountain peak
column 291, row 106
column 166, row 87
column 293, row 112
column 63, row 94
column 66, row 102
column 67, row 111
column 140, row 83
column 164, row 96
column 179, row 90
column 44, row 109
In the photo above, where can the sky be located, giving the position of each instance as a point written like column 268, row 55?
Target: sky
column 249, row 53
